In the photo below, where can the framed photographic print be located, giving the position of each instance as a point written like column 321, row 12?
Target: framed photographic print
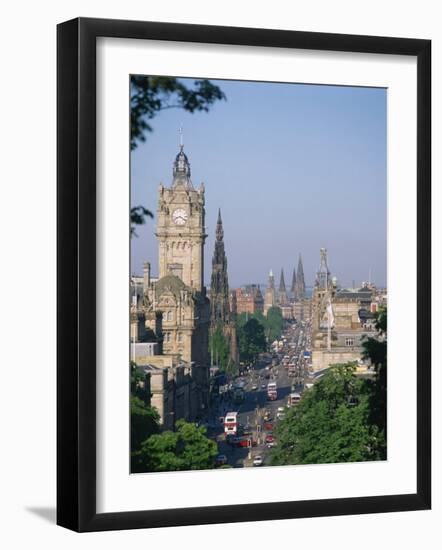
column 239, row 212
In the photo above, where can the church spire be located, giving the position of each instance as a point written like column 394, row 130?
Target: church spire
column 300, row 282
column 282, row 290
column 293, row 287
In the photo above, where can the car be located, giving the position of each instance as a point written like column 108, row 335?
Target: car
column 263, row 386
column 280, row 409
column 258, row 461
column 254, row 387
column 269, row 438
column 220, row 460
column 268, row 426
column 280, row 416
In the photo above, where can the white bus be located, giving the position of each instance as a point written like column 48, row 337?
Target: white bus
column 231, row 423
column 294, row 399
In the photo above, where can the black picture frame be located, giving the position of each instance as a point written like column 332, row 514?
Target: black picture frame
column 76, row 274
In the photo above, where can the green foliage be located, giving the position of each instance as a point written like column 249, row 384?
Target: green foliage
column 219, row 349
column 331, row 423
column 375, row 349
column 144, row 419
column 138, row 215
column 251, row 339
column 188, row 448
column 151, row 94
column 274, row 323
column 138, row 383
column 144, row 422
column 254, row 330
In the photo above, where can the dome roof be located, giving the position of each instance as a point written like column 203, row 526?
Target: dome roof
column 181, row 166
column 169, row 283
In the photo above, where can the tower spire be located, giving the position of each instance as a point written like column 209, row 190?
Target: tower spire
column 323, row 275
column 293, row 287
column 300, row 282
column 282, row 290
column 181, row 168
column 219, row 227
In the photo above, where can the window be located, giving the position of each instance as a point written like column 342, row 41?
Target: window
column 170, row 315
column 180, row 337
column 349, row 342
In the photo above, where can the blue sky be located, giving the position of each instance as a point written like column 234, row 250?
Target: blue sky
column 293, row 168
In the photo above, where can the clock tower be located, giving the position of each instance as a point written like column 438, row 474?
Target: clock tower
column 180, row 229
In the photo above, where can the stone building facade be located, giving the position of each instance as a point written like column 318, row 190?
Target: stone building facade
column 249, row 299
column 339, row 324
column 270, row 294
column 175, row 306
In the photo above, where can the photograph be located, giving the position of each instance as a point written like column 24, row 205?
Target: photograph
column 258, row 274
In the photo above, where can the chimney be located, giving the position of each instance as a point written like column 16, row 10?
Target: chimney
column 146, row 276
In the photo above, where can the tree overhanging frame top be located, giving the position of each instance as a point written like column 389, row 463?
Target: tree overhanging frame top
column 76, row 272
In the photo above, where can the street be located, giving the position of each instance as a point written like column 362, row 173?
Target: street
column 257, row 416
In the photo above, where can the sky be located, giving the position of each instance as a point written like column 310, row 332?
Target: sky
column 293, row 168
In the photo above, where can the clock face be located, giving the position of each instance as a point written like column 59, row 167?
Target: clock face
column 179, row 217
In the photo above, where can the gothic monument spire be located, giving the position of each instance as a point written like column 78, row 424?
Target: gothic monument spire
column 219, row 286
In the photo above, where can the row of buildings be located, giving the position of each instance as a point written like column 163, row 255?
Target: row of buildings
column 294, row 304
column 341, row 319
column 173, row 315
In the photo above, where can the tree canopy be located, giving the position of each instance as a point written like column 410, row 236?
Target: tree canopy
column 375, row 349
column 151, row 94
column 144, row 419
column 274, row 323
column 251, row 339
column 187, row 448
column 343, row 417
column 220, row 350
column 253, row 336
column 330, row 424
